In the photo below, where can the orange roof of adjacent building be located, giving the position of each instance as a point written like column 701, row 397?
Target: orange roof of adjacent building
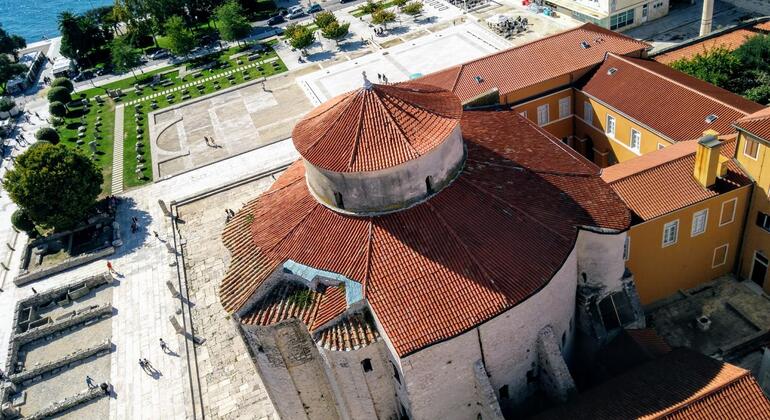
column 535, row 62
column 482, row 245
column 377, row 127
column 667, row 101
column 757, row 124
column 662, row 181
column 730, row 39
column 682, row 384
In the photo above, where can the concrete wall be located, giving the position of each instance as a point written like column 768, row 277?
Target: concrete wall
column 660, row 271
column 393, row 188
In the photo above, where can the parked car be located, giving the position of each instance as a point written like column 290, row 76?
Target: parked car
column 274, row 20
column 295, row 12
column 157, row 55
column 315, row 7
column 83, row 75
column 346, row 1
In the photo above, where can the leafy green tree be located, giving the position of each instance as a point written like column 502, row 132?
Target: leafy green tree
column 755, row 53
column 47, row 134
column 335, row 31
column 301, row 38
column 717, row 66
column 181, row 38
column 57, row 109
column 399, row 3
column 59, row 94
column 323, row 19
column 9, row 70
column 232, row 21
column 124, row 56
column 370, row 7
column 63, row 82
column 54, row 184
column 11, row 44
column 412, row 9
column 383, row 17
column 21, row 221
column 289, row 30
column 81, row 36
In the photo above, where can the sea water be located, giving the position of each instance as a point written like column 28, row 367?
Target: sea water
column 38, row 19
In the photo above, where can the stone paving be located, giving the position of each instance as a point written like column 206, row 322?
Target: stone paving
column 229, row 382
column 117, row 151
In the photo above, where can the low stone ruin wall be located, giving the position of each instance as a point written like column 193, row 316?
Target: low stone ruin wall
column 36, row 372
column 67, row 403
column 28, row 277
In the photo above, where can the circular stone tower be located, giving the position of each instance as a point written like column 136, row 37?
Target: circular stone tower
column 381, row 148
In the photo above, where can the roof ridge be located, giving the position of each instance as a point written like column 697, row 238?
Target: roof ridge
column 692, row 399
column 626, row 59
column 420, row 106
column 334, row 123
column 642, row 171
column 359, row 130
column 369, row 241
column 749, row 117
column 537, row 171
column 558, row 143
column 392, row 119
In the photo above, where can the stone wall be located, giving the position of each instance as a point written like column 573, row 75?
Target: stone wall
column 554, row 377
column 27, row 277
column 489, row 407
column 73, row 357
column 67, row 403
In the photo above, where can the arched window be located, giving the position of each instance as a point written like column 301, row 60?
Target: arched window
column 338, row 200
column 429, row 184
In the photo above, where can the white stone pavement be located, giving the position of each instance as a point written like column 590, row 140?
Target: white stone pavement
column 142, row 300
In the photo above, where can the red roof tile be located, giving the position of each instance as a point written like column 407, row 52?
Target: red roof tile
column 437, row 269
column 730, row 39
column 376, row 128
column 757, row 124
column 662, row 181
column 682, row 384
column 668, row 101
column 535, row 62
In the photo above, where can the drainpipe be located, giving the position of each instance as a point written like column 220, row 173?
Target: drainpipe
column 707, row 17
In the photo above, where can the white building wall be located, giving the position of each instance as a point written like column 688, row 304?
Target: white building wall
column 600, row 257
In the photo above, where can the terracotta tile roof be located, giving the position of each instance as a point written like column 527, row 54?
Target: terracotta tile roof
column 437, row 269
column 286, row 300
column 535, row 62
column 376, row 128
column 649, row 340
column 730, row 39
column 682, row 384
column 757, row 123
column 669, row 102
column 662, row 181
column 352, row 332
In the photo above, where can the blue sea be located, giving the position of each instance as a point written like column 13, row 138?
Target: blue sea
column 35, row 19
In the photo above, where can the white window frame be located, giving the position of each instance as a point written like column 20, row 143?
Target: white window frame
column 746, row 145
column 724, row 261
column 543, row 111
column 611, row 125
column 627, row 248
column 588, row 113
column 722, row 211
column 631, row 140
column 564, row 107
column 661, row 146
column 674, row 223
column 705, row 213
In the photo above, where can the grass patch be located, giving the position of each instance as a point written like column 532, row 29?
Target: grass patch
column 358, row 12
column 142, row 78
column 130, row 163
column 77, row 117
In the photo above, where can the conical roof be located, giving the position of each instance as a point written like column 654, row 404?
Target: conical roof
column 377, row 127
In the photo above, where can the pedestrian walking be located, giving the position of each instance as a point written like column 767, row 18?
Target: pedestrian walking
column 156, row 234
column 110, row 268
column 33, row 290
column 142, row 364
column 163, row 346
column 133, row 227
column 90, row 382
column 37, row 115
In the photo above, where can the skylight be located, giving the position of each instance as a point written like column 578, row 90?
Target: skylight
column 478, row 79
column 711, row 118
column 611, row 71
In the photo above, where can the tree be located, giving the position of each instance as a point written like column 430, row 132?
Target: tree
column 81, row 36
column 755, row 53
column 717, row 66
column 232, row 21
column 11, row 44
column 9, row 70
column 335, row 31
column 301, row 38
column 181, row 39
column 124, row 56
column 383, row 17
column 57, row 109
column 63, row 82
column 289, row 30
column 399, row 3
column 21, row 221
column 59, row 94
column 412, row 9
column 370, row 7
column 47, row 134
column 54, row 184
column 323, row 19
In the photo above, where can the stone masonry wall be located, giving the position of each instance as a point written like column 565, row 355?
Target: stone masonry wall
column 74, row 356
column 554, row 378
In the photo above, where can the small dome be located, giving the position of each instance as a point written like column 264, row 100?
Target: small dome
column 377, row 127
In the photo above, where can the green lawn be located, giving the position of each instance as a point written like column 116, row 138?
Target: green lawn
column 126, row 83
column 103, row 137
column 130, row 178
column 358, row 12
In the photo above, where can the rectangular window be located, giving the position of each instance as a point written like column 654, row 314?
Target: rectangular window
column 699, row 220
column 588, row 113
column 720, row 255
column 615, row 311
column 636, row 140
column 622, row 19
column 645, row 9
column 751, row 148
column 763, row 221
column 611, row 125
column 627, row 248
column 728, row 212
column 564, row 110
column 542, row 115
column 366, row 364
column 670, row 233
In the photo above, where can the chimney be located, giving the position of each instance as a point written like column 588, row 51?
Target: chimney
column 707, row 159
column 706, row 18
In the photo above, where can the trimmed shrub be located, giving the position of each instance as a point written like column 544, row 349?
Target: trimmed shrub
column 21, row 221
column 57, row 109
column 59, row 94
column 47, row 134
column 63, row 82
column 6, row 104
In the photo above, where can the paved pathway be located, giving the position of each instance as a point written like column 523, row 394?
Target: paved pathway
column 117, row 151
